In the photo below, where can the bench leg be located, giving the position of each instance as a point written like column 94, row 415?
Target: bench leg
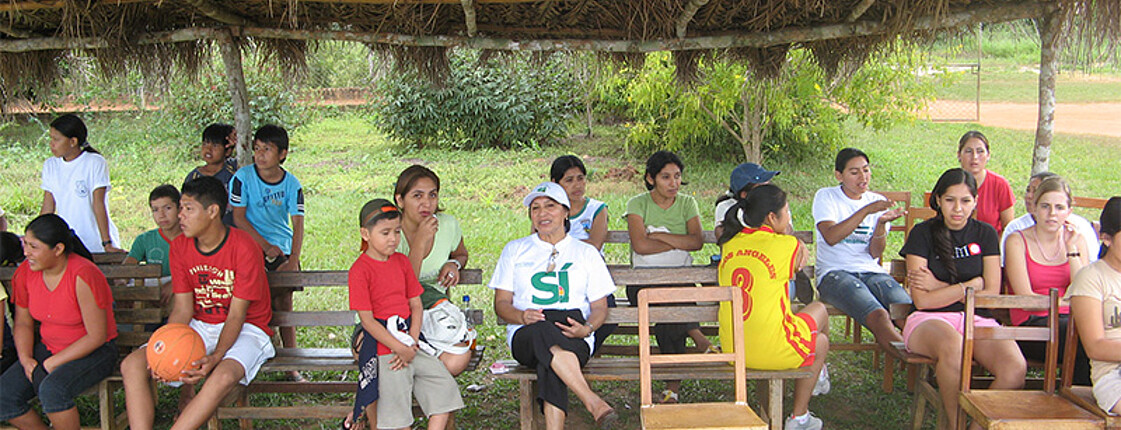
column 525, row 404
column 888, row 384
column 770, row 401
column 105, row 405
column 243, row 401
column 213, row 423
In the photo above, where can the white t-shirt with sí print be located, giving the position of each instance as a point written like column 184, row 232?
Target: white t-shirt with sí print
column 851, row 253
column 579, row 277
column 72, row 184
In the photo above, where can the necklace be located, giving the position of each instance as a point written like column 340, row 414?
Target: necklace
column 1058, row 248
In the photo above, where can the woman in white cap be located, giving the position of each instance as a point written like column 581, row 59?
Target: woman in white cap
column 551, row 289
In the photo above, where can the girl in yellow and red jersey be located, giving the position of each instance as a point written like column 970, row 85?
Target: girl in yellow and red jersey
column 760, row 257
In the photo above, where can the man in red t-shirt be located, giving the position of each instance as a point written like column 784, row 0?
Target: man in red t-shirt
column 220, row 290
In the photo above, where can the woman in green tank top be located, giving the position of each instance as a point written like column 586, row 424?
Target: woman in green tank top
column 433, row 241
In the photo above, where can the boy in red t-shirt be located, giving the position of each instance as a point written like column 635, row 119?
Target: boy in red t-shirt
column 385, row 292
column 220, row 290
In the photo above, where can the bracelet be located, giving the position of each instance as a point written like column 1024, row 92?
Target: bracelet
column 106, row 242
column 1074, row 254
column 458, row 265
column 874, row 236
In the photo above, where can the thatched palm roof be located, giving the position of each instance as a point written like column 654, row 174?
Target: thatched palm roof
column 156, row 34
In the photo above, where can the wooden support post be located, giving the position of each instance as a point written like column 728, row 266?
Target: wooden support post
column 469, row 17
column 231, row 58
column 1048, row 67
column 691, row 9
column 859, row 10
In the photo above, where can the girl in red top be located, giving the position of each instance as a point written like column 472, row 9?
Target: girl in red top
column 994, row 196
column 71, row 300
column 1045, row 256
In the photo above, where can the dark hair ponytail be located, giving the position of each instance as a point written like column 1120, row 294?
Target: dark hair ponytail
column 72, row 127
column 1110, row 221
column 752, row 211
column 52, row 230
column 943, row 243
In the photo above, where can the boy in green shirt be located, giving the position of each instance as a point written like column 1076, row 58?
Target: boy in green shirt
column 151, row 247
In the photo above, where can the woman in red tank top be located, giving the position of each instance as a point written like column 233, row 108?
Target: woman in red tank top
column 1045, row 256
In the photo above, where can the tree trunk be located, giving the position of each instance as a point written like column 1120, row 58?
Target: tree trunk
column 753, row 99
column 1048, row 67
column 231, row 58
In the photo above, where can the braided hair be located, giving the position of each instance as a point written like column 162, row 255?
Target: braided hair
column 943, row 244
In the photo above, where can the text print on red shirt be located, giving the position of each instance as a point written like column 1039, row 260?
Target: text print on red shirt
column 214, row 290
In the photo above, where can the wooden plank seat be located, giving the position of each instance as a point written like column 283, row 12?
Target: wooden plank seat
column 136, row 309
column 598, row 368
column 310, row 359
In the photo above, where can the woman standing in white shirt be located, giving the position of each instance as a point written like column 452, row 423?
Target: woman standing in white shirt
column 75, row 185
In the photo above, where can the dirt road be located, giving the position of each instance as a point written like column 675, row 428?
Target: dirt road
column 1103, row 119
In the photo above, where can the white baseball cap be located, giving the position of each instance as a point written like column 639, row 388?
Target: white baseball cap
column 551, row 190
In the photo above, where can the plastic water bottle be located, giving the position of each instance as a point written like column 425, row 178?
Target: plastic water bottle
column 472, row 315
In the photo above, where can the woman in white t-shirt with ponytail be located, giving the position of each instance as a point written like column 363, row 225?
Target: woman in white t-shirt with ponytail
column 75, row 183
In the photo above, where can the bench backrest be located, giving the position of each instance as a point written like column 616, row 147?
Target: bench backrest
column 328, row 278
column 109, row 257
column 623, row 236
column 1048, row 334
column 688, row 297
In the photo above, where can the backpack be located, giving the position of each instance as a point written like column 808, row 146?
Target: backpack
column 444, row 326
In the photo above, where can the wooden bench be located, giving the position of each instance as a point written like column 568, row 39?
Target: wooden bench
column 339, row 359
column 769, row 395
column 136, row 309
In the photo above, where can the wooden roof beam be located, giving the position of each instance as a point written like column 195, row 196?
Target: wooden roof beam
column 691, row 9
column 22, row 6
column 14, row 32
column 219, row 13
column 957, row 18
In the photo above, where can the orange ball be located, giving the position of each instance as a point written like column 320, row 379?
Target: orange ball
column 172, row 349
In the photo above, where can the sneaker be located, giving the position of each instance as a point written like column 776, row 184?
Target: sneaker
column 812, row 423
column 822, row 386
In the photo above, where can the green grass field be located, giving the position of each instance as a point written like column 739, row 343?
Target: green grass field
column 343, row 161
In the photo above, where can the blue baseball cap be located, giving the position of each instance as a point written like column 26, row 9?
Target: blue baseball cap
column 749, row 173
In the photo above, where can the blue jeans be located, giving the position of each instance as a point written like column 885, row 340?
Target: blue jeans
column 57, row 390
column 859, row 294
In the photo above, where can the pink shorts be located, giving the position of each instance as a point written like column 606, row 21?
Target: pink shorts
column 954, row 319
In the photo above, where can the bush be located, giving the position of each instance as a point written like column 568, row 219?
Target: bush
column 803, row 109
column 504, row 104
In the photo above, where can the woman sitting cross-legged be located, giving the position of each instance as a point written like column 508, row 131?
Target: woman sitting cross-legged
column 945, row 255
column 552, row 290
column 760, row 257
